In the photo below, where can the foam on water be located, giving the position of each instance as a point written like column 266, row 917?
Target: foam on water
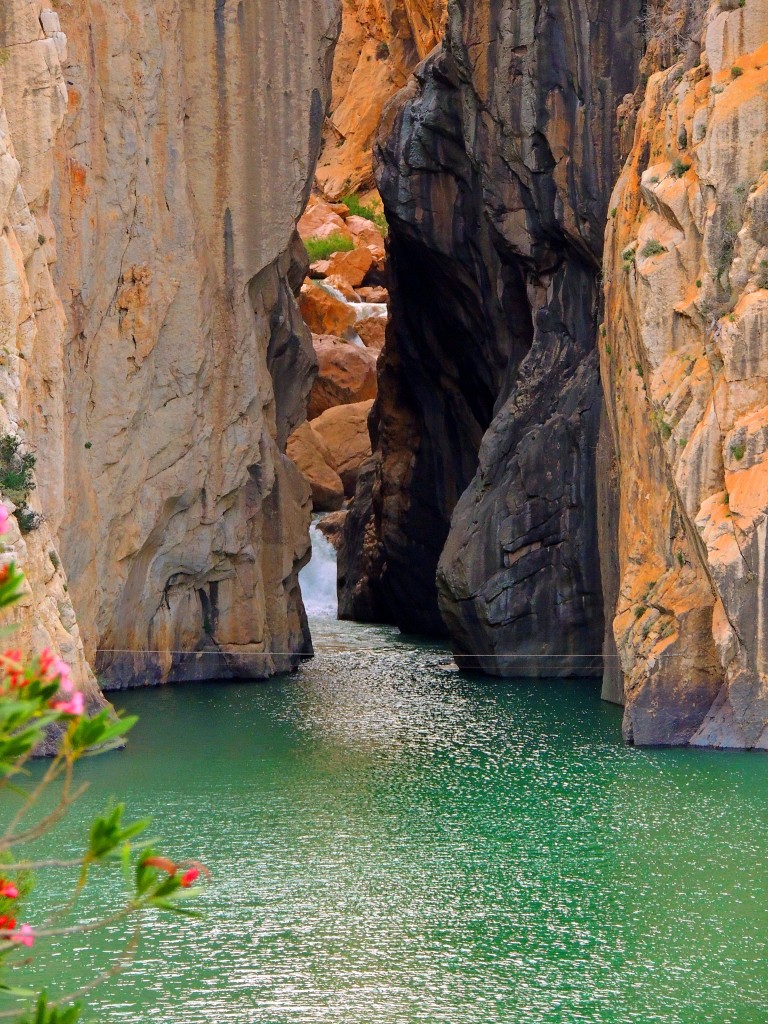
column 318, row 579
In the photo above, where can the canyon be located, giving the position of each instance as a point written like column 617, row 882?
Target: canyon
column 555, row 457
column 157, row 159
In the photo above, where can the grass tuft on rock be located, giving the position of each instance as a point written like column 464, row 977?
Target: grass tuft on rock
column 360, row 209
column 324, row 248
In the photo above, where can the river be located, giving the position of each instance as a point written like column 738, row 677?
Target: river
column 393, row 842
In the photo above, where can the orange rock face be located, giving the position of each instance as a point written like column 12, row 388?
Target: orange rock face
column 347, row 374
column 351, row 266
column 345, row 432
column 381, row 42
column 307, row 449
column 684, row 362
column 323, row 313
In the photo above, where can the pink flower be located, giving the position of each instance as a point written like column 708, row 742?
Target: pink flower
column 189, row 877
column 4, row 517
column 24, row 936
column 74, row 706
column 53, row 667
column 8, row 889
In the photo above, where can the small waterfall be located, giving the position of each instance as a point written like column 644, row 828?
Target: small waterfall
column 318, row 579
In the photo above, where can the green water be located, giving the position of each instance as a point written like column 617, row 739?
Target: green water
column 395, row 843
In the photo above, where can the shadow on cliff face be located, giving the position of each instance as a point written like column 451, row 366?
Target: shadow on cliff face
column 478, row 513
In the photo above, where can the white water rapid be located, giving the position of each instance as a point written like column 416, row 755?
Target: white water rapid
column 318, row 579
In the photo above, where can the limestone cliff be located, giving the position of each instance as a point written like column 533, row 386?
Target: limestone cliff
column 495, row 165
column 160, row 410
column 683, row 355
column 381, row 42
column 31, row 318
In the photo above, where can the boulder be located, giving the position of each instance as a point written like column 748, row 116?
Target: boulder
column 332, row 526
column 377, row 273
column 345, row 431
column 377, row 294
column 351, row 266
column 342, row 285
column 323, row 313
column 321, row 220
column 372, row 331
column 347, row 375
column 318, row 269
column 307, row 449
column 365, row 232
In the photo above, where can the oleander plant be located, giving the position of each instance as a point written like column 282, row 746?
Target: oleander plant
column 37, row 696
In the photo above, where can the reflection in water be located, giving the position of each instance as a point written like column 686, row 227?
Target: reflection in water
column 395, row 843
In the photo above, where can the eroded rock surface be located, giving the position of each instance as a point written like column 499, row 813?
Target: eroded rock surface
column 684, row 362
column 381, row 42
column 495, row 165
column 161, row 412
column 32, row 324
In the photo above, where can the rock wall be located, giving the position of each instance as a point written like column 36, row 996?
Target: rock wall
column 160, row 412
column 32, row 323
column 495, row 165
column 683, row 354
column 381, row 42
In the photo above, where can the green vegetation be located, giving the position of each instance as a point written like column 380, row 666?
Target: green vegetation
column 39, row 701
column 652, row 248
column 762, row 275
column 727, row 245
column 55, row 560
column 640, row 611
column 382, row 50
column 736, row 71
column 738, row 451
column 323, row 248
column 360, row 209
column 17, row 480
column 679, row 168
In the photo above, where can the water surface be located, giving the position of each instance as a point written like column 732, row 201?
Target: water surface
column 394, row 843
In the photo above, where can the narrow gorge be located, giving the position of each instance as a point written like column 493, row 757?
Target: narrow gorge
column 564, row 472
column 384, row 500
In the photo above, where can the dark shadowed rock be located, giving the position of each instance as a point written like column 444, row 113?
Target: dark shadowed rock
column 495, row 165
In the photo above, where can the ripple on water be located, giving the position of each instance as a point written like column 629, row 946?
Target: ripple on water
column 396, row 843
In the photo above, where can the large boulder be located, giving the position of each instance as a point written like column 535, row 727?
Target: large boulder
column 351, row 266
column 347, row 374
column 372, row 331
column 321, row 220
column 307, row 449
column 345, row 431
column 365, row 232
column 323, row 313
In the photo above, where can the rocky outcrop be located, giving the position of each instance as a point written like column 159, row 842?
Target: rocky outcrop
column 160, row 412
column 495, row 165
column 684, row 364
column 32, row 324
column 381, row 42
column 329, row 452
column 312, row 457
column 346, row 375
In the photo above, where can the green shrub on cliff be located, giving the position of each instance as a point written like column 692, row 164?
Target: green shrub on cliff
column 323, row 248
column 17, row 480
